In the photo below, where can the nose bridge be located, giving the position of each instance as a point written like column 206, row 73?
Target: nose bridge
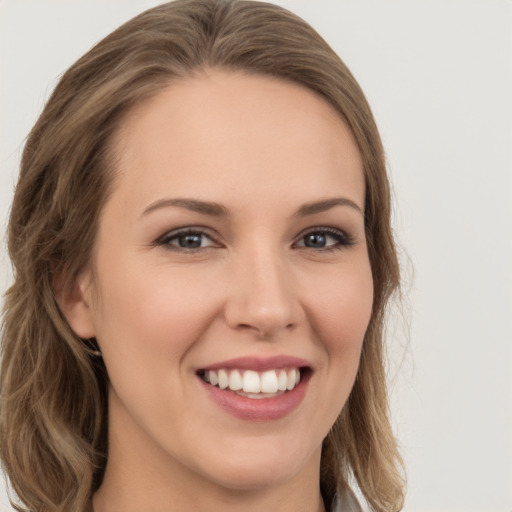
column 262, row 293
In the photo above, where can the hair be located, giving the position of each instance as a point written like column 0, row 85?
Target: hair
column 53, row 402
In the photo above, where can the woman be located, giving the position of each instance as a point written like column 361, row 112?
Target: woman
column 203, row 256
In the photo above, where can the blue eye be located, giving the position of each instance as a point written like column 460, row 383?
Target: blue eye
column 187, row 240
column 316, row 240
column 325, row 239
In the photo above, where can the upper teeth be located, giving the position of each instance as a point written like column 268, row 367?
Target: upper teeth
column 249, row 381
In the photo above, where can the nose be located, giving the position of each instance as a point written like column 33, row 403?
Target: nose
column 262, row 297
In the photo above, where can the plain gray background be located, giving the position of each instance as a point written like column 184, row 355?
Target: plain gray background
column 438, row 75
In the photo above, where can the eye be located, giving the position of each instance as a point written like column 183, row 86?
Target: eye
column 187, row 240
column 325, row 239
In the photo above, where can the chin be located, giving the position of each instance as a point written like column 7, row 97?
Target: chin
column 262, row 466
column 253, row 478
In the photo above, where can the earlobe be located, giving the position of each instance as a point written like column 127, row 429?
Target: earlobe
column 75, row 304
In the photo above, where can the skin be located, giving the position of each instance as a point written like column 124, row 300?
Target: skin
column 262, row 148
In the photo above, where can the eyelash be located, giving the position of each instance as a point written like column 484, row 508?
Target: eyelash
column 175, row 235
column 343, row 240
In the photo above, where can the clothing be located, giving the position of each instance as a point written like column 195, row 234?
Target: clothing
column 346, row 503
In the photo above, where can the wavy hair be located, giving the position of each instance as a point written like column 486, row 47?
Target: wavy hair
column 53, row 405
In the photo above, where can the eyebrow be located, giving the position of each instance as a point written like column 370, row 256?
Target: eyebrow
column 326, row 204
column 195, row 205
column 218, row 210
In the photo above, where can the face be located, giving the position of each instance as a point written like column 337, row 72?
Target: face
column 231, row 254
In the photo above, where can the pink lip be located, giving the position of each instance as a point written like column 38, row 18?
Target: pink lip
column 260, row 364
column 264, row 409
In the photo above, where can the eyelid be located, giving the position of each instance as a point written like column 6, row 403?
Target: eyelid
column 344, row 239
column 164, row 239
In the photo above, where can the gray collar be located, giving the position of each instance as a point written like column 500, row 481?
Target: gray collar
column 346, row 502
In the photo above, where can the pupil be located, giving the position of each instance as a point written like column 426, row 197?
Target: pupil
column 190, row 241
column 315, row 240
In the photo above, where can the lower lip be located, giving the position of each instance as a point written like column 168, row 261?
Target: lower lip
column 263, row 409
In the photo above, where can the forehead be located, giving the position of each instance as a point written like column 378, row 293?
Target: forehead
column 228, row 131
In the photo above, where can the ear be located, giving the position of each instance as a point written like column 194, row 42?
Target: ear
column 75, row 304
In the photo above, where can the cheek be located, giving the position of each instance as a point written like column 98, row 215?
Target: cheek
column 339, row 311
column 149, row 317
column 340, row 307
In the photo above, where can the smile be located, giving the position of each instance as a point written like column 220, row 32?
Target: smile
column 253, row 384
column 256, row 388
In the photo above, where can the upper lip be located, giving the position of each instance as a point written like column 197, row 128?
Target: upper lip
column 259, row 363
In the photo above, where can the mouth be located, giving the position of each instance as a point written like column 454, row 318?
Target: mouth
column 255, row 388
column 255, row 385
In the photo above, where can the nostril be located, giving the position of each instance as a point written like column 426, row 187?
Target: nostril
column 259, row 303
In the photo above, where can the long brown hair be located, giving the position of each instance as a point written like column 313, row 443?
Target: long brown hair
column 54, row 414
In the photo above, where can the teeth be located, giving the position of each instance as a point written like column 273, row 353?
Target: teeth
column 223, row 379
column 282, row 381
column 269, row 382
column 251, row 382
column 235, row 380
column 254, row 384
column 290, row 384
column 213, row 378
